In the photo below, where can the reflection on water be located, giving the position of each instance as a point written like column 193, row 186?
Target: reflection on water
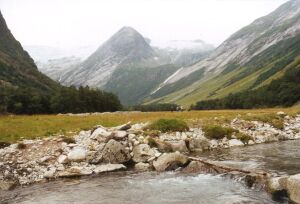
column 155, row 188
column 141, row 188
column 278, row 157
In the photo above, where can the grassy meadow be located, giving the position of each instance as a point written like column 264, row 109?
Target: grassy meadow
column 18, row 127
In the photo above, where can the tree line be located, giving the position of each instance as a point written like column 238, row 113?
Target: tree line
column 156, row 107
column 64, row 100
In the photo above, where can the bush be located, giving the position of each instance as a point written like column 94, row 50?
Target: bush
column 243, row 137
column 4, row 144
column 218, row 132
column 21, row 146
column 68, row 140
column 273, row 119
column 156, row 107
column 152, row 142
column 278, row 123
column 169, row 125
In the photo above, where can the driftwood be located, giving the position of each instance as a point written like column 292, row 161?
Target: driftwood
column 225, row 169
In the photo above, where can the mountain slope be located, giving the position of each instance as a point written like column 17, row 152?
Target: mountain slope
column 126, row 47
column 250, row 58
column 125, row 65
column 16, row 66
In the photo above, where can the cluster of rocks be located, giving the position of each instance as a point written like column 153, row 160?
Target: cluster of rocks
column 127, row 146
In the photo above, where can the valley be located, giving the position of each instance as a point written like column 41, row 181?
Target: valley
column 106, row 114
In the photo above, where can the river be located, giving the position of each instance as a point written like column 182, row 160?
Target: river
column 169, row 187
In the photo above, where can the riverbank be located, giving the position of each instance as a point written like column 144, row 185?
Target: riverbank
column 18, row 127
column 102, row 149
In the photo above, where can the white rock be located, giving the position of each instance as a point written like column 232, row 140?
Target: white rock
column 293, row 188
column 50, row 173
column 75, row 171
column 251, row 142
column 62, row 159
column 45, row 158
column 235, row 142
column 108, row 167
column 142, row 166
column 131, row 137
column 77, row 154
column 120, row 134
column 213, row 144
column 281, row 113
column 100, row 132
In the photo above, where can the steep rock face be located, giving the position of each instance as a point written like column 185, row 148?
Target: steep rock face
column 237, row 52
column 16, row 67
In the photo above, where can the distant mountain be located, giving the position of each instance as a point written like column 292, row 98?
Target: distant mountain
column 43, row 54
column 17, row 68
column 185, row 52
column 126, row 47
column 249, row 59
column 54, row 68
column 125, row 64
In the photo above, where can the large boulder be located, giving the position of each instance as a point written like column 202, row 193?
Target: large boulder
column 142, row 166
column 163, row 146
column 101, row 135
column 199, row 144
column 179, row 146
column 77, row 154
column 142, row 152
column 119, row 134
column 235, row 142
column 108, row 167
column 115, row 153
column 293, row 188
column 170, row 161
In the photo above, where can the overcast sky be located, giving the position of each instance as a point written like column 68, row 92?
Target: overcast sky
column 69, row 23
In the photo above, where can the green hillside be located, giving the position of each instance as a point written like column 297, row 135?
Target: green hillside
column 260, row 71
column 17, row 68
column 134, row 83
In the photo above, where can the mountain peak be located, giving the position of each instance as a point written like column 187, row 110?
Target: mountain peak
column 128, row 29
column 126, row 43
column 127, row 36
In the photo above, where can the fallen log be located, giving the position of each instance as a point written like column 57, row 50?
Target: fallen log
column 226, row 169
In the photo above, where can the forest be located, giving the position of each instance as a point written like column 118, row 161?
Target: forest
column 64, row 100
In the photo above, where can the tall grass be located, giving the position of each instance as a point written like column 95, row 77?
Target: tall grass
column 14, row 128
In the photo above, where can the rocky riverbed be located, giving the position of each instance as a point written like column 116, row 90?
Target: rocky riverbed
column 128, row 146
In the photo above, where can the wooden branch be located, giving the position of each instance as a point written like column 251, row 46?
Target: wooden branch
column 226, row 168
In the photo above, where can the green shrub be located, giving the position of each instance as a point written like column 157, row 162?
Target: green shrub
column 243, row 137
column 4, row 144
column 278, row 123
column 152, row 142
column 68, row 140
column 218, row 132
column 169, row 125
column 21, row 145
column 272, row 119
column 152, row 133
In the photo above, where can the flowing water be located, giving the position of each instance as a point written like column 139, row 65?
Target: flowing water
column 169, row 187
